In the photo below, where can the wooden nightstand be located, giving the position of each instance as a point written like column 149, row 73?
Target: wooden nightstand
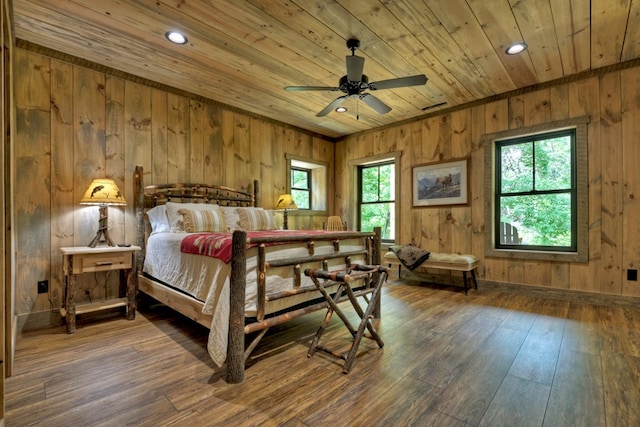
column 78, row 260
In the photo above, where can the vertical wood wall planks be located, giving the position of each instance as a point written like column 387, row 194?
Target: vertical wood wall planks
column 584, row 97
column 631, row 179
column 612, row 180
column 496, row 119
column 63, row 203
column 115, row 153
column 196, row 141
column 179, row 149
column 159, row 137
column 33, row 169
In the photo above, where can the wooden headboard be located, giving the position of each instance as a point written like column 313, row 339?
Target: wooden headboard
column 146, row 197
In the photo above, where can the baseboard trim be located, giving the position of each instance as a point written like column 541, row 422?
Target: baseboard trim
column 563, row 294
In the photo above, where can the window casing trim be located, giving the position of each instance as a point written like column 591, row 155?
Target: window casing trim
column 391, row 157
column 319, row 183
column 582, row 209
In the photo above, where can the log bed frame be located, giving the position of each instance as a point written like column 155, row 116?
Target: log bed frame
column 239, row 325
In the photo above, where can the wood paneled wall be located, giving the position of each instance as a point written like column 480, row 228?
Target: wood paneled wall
column 75, row 124
column 613, row 103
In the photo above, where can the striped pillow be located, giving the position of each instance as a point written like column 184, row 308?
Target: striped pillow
column 256, row 219
column 202, row 221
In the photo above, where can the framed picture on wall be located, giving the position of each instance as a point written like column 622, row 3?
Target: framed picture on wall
column 441, row 183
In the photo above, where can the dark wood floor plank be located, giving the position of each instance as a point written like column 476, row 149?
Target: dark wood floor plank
column 448, row 353
column 388, row 410
column 577, row 396
column 518, row 402
column 621, row 378
column 582, row 332
column 469, row 394
column 536, row 360
column 621, row 333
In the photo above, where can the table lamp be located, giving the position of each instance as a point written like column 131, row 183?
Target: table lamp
column 103, row 192
column 285, row 203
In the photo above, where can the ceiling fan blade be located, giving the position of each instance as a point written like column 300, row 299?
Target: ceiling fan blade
column 420, row 79
column 301, row 88
column 355, row 65
column 339, row 100
column 375, row 103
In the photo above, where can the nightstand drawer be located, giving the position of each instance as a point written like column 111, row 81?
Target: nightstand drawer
column 86, row 263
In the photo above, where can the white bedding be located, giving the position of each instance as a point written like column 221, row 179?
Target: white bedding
column 207, row 279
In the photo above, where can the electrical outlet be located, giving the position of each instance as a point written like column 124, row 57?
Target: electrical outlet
column 632, row 275
column 43, row 286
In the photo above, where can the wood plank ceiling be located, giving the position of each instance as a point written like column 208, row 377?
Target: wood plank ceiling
column 244, row 52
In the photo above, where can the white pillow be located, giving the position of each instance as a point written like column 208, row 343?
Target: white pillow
column 256, row 219
column 158, row 219
column 278, row 218
column 202, row 221
column 175, row 219
column 231, row 217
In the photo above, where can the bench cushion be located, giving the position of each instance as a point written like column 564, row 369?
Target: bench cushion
column 462, row 262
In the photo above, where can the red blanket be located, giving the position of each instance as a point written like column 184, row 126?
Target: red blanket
column 218, row 245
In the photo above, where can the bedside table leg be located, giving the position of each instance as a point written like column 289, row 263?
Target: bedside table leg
column 70, row 303
column 131, row 293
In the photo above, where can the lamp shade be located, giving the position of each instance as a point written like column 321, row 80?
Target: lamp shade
column 285, row 201
column 103, row 191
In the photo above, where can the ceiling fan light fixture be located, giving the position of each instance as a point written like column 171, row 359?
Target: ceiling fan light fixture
column 341, row 110
column 176, row 37
column 516, row 48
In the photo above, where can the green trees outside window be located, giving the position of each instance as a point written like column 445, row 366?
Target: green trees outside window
column 376, row 198
column 536, row 191
column 301, row 187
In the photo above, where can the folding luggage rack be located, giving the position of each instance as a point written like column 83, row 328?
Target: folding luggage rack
column 357, row 281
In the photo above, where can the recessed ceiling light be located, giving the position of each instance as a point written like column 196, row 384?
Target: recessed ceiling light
column 516, row 48
column 341, row 109
column 176, row 37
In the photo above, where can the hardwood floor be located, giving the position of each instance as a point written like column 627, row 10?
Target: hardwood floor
column 487, row 359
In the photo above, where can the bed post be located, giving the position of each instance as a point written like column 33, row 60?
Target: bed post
column 256, row 193
column 237, row 290
column 138, row 188
column 376, row 259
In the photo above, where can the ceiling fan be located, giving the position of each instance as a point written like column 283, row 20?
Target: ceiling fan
column 355, row 83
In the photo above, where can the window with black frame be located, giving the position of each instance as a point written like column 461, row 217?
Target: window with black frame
column 376, row 198
column 301, row 187
column 536, row 192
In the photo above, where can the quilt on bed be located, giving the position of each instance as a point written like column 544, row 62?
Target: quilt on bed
column 218, row 245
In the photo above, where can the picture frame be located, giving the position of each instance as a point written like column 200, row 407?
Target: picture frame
column 441, row 183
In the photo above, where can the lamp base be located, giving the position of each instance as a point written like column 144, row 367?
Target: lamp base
column 103, row 229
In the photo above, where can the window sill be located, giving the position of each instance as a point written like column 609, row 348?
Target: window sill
column 536, row 255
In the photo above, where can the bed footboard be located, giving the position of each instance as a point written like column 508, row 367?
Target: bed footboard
column 236, row 352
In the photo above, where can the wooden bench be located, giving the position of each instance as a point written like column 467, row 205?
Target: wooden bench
column 443, row 261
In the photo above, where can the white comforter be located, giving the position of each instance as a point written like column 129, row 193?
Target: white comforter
column 207, row 279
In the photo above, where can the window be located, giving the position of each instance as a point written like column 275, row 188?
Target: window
column 376, row 198
column 538, row 188
column 307, row 184
column 536, row 192
column 301, row 187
